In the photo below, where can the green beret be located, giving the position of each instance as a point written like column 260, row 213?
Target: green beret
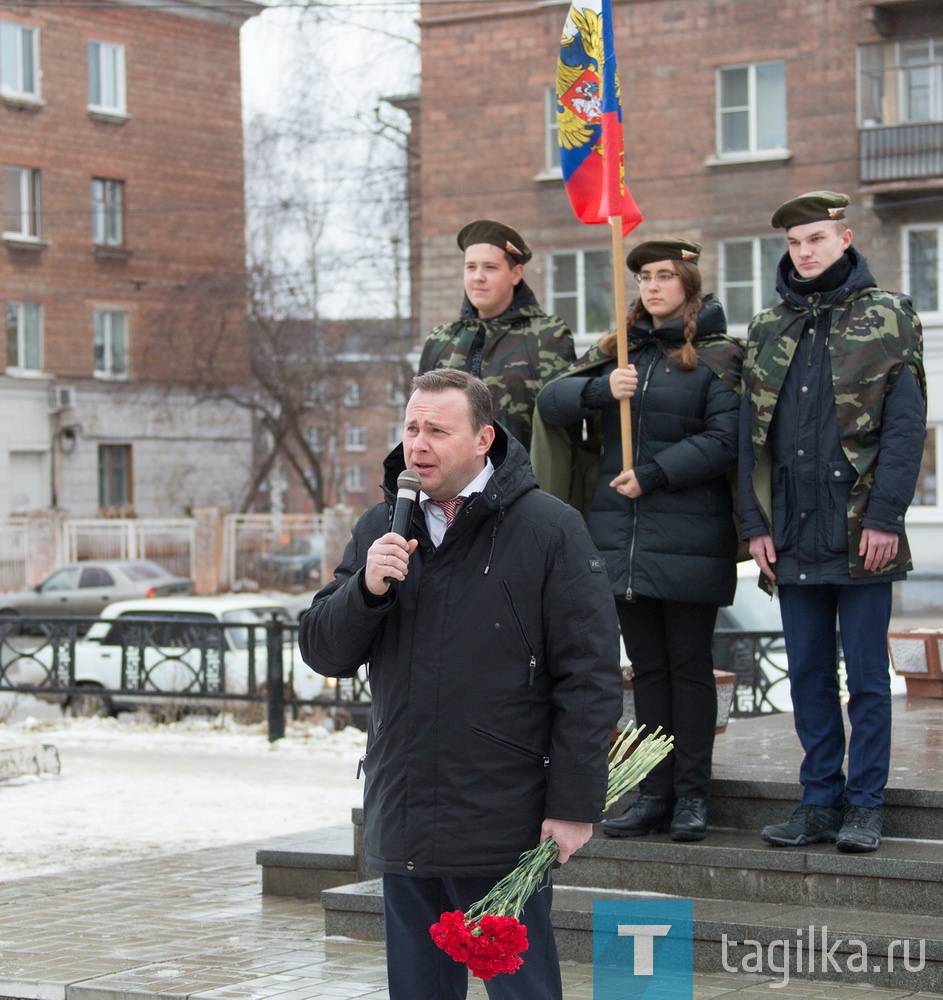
column 669, row 248
column 816, row 206
column 498, row 235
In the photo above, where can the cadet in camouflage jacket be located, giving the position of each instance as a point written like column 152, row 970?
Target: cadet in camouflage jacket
column 866, row 345
column 516, row 354
column 832, row 427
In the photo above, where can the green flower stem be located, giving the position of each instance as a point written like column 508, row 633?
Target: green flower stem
column 627, row 766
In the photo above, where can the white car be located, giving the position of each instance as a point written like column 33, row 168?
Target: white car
column 184, row 646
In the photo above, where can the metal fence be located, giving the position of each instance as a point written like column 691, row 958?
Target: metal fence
column 273, row 552
column 167, row 542
column 171, row 664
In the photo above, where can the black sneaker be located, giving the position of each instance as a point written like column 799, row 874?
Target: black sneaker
column 860, row 830
column 648, row 814
column 807, row 825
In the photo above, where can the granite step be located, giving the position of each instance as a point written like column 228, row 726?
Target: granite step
column 795, row 942
column 904, row 876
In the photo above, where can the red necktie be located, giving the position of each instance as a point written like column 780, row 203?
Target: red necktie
column 450, row 507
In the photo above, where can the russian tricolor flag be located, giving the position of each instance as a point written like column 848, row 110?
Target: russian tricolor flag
column 589, row 116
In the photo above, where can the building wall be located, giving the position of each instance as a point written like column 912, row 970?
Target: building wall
column 180, row 273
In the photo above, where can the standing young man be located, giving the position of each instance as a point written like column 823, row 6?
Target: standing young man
column 502, row 336
column 832, row 426
column 492, row 644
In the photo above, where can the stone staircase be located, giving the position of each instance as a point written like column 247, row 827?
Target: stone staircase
column 800, row 913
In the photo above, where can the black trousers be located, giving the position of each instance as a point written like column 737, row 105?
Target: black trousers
column 418, row 969
column 669, row 644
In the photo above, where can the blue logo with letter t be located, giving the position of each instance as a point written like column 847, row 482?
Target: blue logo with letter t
column 643, row 949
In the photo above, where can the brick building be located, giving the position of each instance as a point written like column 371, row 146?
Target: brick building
column 730, row 108
column 122, row 264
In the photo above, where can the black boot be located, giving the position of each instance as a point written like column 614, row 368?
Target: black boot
column 648, row 814
column 690, row 818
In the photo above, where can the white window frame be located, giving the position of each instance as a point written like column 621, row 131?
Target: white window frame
column 106, row 71
column 552, row 167
column 105, row 336
column 577, row 296
column 929, row 316
column 754, row 150
column 23, row 312
column 353, row 395
column 107, row 212
column 760, row 272
column 354, row 479
column 16, row 40
column 27, row 182
column 923, row 513
column 394, row 434
column 888, row 104
column 355, row 438
column 395, row 395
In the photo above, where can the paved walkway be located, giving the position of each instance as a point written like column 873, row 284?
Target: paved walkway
column 197, row 925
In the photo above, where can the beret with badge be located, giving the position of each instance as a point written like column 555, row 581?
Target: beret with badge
column 497, row 234
column 816, row 206
column 669, row 248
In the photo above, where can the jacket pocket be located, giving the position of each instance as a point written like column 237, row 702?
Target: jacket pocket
column 515, row 748
column 841, row 477
column 784, row 527
column 528, row 645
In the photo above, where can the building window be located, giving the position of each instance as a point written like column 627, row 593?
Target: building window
column 580, row 290
column 107, row 212
column 106, row 78
column 395, row 395
column 21, row 202
column 114, row 476
column 751, row 109
column 356, row 439
column 394, row 435
column 923, row 267
column 354, row 479
column 313, row 438
column 900, row 82
column 552, row 130
column 19, row 60
column 928, row 503
column 748, row 276
column 24, row 336
column 111, row 343
column 353, row 395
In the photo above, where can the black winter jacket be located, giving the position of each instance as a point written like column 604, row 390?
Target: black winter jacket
column 494, row 670
column 678, row 540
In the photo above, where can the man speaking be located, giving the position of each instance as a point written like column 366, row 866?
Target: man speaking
column 492, row 645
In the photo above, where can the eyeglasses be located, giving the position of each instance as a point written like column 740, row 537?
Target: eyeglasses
column 661, row 278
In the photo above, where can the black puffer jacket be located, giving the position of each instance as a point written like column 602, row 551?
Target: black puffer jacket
column 678, row 540
column 494, row 670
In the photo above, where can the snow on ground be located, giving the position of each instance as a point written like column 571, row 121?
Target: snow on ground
column 130, row 788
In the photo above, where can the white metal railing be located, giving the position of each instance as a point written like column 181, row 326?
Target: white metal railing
column 168, row 542
column 273, row 551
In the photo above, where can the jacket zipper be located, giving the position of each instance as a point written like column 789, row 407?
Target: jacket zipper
column 638, row 438
column 532, row 666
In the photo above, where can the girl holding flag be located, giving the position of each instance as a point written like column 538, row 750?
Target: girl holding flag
column 665, row 527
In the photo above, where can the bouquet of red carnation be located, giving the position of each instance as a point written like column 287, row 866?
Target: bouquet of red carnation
column 489, row 937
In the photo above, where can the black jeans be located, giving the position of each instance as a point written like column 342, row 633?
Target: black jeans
column 669, row 644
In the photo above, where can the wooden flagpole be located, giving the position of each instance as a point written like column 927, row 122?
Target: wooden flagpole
column 622, row 346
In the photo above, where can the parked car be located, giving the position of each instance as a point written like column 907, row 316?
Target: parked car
column 291, row 563
column 87, row 587
column 185, row 646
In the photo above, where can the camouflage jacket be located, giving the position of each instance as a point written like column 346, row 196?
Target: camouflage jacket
column 520, row 351
column 872, row 334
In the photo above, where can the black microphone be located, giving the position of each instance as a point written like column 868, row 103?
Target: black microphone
column 407, row 489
